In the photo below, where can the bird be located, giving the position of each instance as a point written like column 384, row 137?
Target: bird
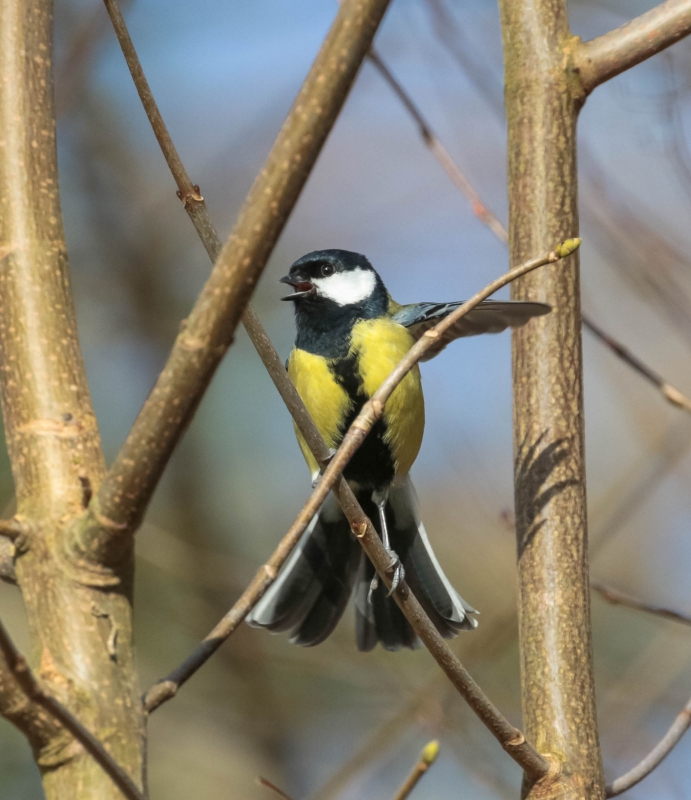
column 350, row 335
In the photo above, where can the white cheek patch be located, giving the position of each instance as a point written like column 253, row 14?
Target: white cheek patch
column 349, row 287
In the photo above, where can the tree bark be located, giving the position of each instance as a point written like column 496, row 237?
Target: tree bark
column 543, row 97
column 81, row 634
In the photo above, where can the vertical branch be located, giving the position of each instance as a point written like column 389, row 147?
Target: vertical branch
column 51, row 430
column 542, row 101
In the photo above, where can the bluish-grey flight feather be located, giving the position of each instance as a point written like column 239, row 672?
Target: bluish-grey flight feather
column 491, row 316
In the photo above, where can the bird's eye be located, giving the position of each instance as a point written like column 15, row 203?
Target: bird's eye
column 327, row 269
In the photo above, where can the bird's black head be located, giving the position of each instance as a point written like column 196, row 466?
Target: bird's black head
column 333, row 290
column 335, row 277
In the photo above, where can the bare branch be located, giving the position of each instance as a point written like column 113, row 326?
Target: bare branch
column 669, row 392
column 559, row 708
column 118, row 507
column 611, row 54
column 433, row 143
column 489, row 218
column 427, row 758
column 50, row 427
column 656, row 756
column 18, row 667
column 617, row 598
column 272, row 786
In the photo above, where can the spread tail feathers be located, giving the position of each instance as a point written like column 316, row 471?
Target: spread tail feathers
column 313, row 588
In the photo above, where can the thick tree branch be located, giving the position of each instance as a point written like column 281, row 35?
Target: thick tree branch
column 617, row 598
column 549, row 440
column 50, row 427
column 45, row 399
column 485, row 214
column 427, row 758
column 52, row 710
column 118, row 507
column 611, row 54
column 656, row 756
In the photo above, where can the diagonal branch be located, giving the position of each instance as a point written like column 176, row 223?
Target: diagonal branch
column 655, row 757
column 489, row 218
column 510, row 738
column 613, row 53
column 41, row 714
column 617, row 598
column 118, row 507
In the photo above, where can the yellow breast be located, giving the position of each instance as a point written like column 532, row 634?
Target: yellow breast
column 325, row 399
column 380, row 345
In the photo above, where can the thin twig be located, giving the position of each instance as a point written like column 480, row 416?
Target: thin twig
column 438, row 150
column 655, row 757
column 669, row 392
column 613, row 53
column 122, row 498
column 264, row 782
column 489, row 218
column 17, row 664
column 617, row 598
column 427, row 758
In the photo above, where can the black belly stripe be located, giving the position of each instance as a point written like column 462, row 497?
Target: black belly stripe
column 372, row 466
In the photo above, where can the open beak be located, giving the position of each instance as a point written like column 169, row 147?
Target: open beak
column 302, row 288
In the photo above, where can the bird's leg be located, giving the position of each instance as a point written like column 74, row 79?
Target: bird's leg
column 380, row 498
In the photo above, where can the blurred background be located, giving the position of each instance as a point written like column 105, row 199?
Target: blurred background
column 330, row 722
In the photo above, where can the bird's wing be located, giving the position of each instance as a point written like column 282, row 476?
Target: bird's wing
column 491, row 316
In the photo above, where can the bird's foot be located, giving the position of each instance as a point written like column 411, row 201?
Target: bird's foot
column 398, row 575
column 398, row 572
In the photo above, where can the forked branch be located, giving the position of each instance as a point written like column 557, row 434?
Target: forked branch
column 613, row 53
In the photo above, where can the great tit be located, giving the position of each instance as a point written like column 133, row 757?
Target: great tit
column 350, row 335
